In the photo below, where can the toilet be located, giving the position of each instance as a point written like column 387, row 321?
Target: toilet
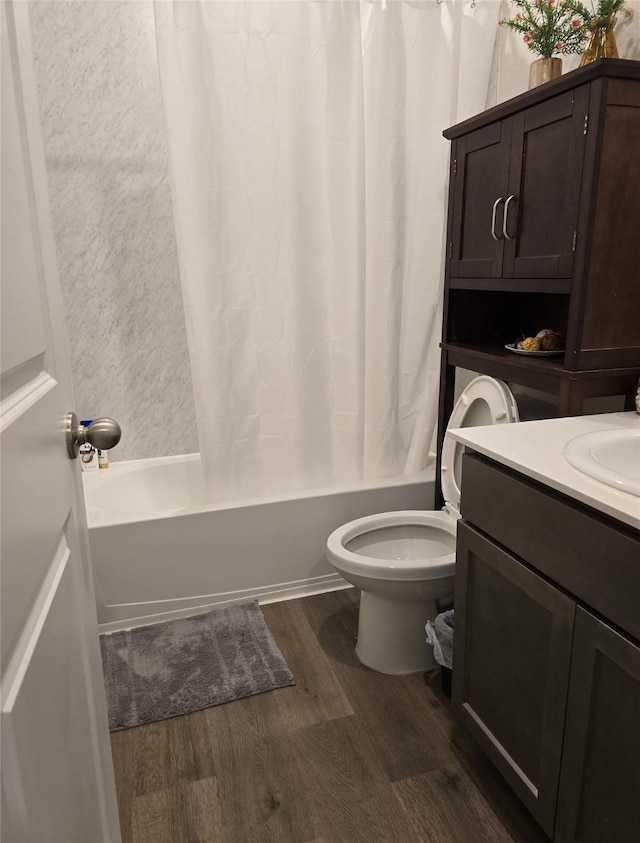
column 403, row 562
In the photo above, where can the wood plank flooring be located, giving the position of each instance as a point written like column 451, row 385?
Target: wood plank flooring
column 345, row 755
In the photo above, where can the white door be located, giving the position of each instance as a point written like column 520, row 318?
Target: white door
column 57, row 777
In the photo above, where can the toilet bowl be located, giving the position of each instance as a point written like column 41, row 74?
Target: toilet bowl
column 404, row 562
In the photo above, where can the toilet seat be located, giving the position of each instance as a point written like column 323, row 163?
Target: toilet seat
column 441, row 532
column 484, row 401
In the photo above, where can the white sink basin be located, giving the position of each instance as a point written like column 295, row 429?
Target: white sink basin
column 610, row 456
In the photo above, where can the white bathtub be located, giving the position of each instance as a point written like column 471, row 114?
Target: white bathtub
column 157, row 550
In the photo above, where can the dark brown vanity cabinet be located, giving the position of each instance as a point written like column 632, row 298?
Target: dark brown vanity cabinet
column 542, row 232
column 546, row 656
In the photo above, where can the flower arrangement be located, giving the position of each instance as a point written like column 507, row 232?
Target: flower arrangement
column 550, row 27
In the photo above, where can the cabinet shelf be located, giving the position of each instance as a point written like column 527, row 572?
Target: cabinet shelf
column 547, row 374
column 494, row 353
column 558, row 286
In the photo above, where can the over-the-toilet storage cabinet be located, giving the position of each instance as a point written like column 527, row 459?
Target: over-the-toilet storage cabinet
column 544, row 232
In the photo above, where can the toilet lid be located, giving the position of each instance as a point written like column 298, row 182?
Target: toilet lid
column 484, row 401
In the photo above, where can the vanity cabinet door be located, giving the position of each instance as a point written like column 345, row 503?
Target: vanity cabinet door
column 512, row 652
column 599, row 797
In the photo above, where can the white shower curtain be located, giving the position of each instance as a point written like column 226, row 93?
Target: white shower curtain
column 309, row 172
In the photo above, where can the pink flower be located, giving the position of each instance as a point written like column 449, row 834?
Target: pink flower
column 526, row 38
column 518, row 16
column 558, row 47
column 575, row 23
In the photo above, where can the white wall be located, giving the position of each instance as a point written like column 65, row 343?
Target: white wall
column 107, row 166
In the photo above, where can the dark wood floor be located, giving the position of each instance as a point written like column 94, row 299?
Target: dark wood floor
column 345, row 755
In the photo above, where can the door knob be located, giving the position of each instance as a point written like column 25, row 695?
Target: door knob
column 101, row 433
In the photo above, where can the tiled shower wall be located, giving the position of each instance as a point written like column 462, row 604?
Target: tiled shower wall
column 106, row 159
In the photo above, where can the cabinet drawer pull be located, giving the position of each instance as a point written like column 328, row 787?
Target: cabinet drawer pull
column 493, row 217
column 506, row 216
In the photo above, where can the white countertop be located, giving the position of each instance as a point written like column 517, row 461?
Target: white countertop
column 535, row 448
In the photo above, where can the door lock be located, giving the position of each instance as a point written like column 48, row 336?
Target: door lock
column 102, row 434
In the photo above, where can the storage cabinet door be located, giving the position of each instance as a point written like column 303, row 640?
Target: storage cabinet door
column 599, row 798
column 479, row 191
column 545, row 183
column 512, row 652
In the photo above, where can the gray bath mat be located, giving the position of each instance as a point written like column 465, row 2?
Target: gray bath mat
column 178, row 666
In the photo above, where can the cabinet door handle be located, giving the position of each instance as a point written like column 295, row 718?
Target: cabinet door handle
column 506, row 216
column 493, row 217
